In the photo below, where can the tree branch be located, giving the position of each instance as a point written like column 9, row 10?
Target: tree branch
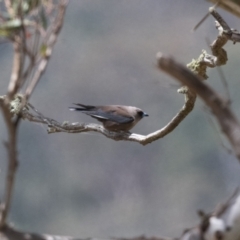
column 11, row 146
column 57, row 25
column 225, row 117
column 54, row 126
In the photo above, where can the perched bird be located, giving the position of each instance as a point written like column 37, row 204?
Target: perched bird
column 114, row 117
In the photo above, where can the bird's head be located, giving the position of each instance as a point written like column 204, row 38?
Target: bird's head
column 141, row 114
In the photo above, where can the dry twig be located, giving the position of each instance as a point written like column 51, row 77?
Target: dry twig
column 57, row 25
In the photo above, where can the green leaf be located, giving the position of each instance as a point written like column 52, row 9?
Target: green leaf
column 43, row 50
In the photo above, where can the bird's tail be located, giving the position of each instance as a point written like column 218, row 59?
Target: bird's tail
column 81, row 108
column 76, row 109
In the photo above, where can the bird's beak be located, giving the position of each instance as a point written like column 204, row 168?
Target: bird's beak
column 145, row 114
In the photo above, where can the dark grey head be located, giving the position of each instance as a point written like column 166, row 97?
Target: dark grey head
column 141, row 114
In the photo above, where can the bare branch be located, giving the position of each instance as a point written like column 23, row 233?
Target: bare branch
column 226, row 118
column 57, row 25
column 54, row 126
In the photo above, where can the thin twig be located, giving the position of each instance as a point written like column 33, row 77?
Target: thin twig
column 23, row 45
column 17, row 67
column 204, row 18
column 57, row 25
column 33, row 54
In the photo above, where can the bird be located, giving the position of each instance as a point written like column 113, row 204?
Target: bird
column 113, row 117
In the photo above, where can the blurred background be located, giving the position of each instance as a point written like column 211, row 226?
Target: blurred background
column 89, row 186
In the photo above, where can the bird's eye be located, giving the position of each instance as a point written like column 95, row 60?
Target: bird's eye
column 141, row 113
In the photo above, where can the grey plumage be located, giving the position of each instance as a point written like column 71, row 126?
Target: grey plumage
column 113, row 117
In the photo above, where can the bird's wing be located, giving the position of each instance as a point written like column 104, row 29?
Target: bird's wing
column 112, row 113
column 109, row 116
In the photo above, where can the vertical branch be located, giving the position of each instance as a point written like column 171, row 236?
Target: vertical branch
column 19, row 44
column 18, row 40
column 11, row 146
column 14, row 83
